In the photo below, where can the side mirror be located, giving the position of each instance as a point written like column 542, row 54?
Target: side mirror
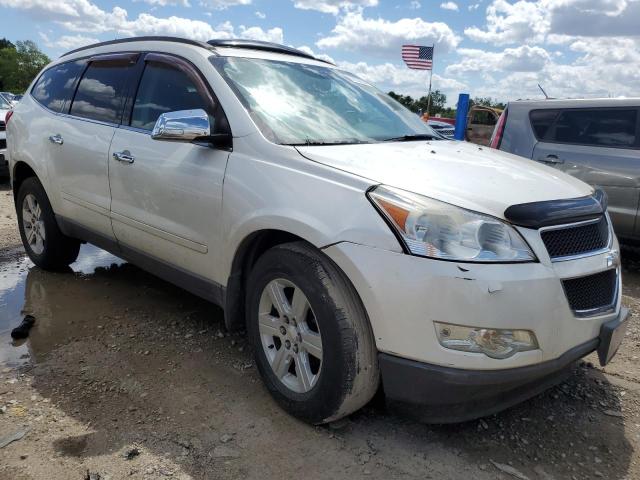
column 182, row 126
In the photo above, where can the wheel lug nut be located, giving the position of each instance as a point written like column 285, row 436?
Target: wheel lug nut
column 283, row 330
column 287, row 344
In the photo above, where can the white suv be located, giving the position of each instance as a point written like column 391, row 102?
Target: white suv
column 354, row 245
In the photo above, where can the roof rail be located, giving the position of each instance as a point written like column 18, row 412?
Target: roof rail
column 261, row 45
column 141, row 39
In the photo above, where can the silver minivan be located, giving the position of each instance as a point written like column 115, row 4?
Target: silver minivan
column 595, row 140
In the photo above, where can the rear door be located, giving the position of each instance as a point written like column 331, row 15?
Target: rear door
column 600, row 146
column 166, row 199
column 81, row 140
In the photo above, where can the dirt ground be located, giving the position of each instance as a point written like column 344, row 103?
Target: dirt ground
column 125, row 376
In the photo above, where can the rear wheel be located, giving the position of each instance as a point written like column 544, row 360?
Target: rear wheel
column 43, row 241
column 313, row 343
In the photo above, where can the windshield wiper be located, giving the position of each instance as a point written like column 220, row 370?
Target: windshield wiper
column 411, row 138
column 311, row 143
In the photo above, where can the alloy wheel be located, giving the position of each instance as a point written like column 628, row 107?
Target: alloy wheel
column 290, row 335
column 32, row 224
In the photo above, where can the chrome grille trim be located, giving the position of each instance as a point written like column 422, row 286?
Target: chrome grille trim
column 590, row 253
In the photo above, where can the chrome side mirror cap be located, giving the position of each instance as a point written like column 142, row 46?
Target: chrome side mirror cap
column 182, row 126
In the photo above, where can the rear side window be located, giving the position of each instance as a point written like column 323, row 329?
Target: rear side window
column 163, row 89
column 597, row 127
column 541, row 120
column 55, row 86
column 101, row 92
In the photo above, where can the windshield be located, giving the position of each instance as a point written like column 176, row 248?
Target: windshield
column 299, row 104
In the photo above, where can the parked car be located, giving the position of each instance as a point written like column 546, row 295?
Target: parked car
column 594, row 140
column 5, row 106
column 481, row 121
column 325, row 218
column 443, row 128
column 10, row 97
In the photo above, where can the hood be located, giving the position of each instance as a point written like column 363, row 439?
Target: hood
column 467, row 175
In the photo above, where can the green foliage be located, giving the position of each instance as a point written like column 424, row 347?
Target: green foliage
column 487, row 102
column 438, row 103
column 19, row 64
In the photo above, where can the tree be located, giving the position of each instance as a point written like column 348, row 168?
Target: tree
column 487, row 102
column 19, row 64
column 438, row 103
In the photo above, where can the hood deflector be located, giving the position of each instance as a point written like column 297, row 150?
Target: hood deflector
column 557, row 212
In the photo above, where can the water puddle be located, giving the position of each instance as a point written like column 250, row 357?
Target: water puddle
column 26, row 289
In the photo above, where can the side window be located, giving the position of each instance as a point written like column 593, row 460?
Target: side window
column 541, row 120
column 163, row 89
column 55, row 86
column 597, row 127
column 101, row 92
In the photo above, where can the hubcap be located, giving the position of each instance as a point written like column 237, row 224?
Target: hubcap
column 32, row 224
column 290, row 335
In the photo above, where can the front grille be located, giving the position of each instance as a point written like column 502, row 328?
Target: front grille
column 3, row 126
column 593, row 292
column 576, row 240
column 3, row 143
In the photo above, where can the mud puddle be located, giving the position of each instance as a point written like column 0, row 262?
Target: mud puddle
column 25, row 289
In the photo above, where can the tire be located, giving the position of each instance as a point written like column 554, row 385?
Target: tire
column 53, row 250
column 311, row 385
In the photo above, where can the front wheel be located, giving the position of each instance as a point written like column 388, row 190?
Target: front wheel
column 43, row 241
column 312, row 340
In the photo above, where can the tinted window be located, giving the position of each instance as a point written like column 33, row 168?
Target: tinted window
column 55, row 86
column 163, row 89
column 541, row 120
column 599, row 127
column 100, row 92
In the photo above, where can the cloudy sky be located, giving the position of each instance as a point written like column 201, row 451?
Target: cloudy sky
column 498, row 48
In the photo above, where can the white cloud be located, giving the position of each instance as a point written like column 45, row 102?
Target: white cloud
column 275, row 35
column 82, row 16
column 507, row 23
column 415, row 5
column 388, row 76
column 473, row 6
column 537, row 21
column 520, row 59
column 319, row 56
column 165, row 3
column 449, row 6
column 333, row 6
column 382, row 37
column 223, row 4
column 68, row 42
column 261, row 15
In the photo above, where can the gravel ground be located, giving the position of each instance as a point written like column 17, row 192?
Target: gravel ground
column 126, row 376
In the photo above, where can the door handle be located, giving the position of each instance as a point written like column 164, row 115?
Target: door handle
column 551, row 159
column 57, row 139
column 124, row 156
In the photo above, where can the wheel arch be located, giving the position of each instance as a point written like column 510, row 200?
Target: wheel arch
column 246, row 255
column 21, row 171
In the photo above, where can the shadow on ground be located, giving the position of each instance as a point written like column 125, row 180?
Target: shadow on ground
column 145, row 363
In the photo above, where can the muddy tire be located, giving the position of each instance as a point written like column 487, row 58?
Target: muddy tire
column 43, row 241
column 312, row 340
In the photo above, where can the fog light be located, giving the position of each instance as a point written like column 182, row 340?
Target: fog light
column 493, row 342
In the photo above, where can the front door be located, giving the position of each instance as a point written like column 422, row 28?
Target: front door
column 81, row 142
column 167, row 196
column 600, row 147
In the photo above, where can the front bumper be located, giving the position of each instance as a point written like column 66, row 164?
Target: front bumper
column 456, row 395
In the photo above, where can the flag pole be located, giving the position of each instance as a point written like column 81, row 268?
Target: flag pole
column 430, row 79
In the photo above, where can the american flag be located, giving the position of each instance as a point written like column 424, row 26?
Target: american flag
column 417, row 57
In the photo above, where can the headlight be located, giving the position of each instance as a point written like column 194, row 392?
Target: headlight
column 494, row 343
column 431, row 228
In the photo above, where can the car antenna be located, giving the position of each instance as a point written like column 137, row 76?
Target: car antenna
column 543, row 92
